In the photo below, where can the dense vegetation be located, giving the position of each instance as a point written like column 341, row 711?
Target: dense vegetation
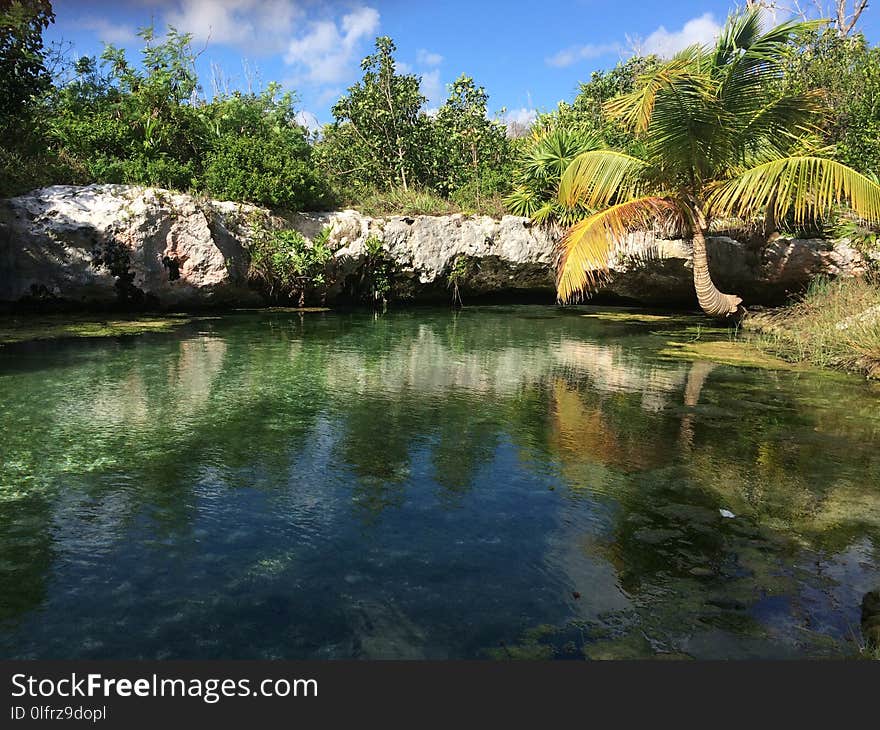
column 148, row 121
column 111, row 119
column 808, row 93
column 721, row 140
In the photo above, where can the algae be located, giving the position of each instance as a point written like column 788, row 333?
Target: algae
column 25, row 328
column 726, row 352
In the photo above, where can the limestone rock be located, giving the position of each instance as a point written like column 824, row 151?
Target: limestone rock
column 116, row 244
column 109, row 244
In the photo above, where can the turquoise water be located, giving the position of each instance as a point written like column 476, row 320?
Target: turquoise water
column 502, row 482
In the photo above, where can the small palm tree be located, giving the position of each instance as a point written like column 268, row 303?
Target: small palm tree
column 547, row 154
column 720, row 142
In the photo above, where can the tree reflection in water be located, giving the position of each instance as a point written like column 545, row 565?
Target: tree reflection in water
column 428, row 484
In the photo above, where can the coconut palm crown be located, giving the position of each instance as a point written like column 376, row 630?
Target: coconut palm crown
column 720, row 140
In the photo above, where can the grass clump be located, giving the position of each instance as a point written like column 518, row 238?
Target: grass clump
column 836, row 324
column 419, row 201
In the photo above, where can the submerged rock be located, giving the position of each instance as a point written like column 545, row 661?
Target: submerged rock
column 135, row 246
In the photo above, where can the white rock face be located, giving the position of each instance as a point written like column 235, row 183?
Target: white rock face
column 506, row 256
column 109, row 244
column 105, row 244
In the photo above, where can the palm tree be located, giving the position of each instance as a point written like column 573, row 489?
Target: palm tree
column 720, row 142
column 546, row 154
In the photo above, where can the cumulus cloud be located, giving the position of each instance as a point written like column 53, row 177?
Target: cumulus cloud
column 664, row 43
column 324, row 53
column 427, row 58
column 431, row 87
column 573, row 54
column 257, row 25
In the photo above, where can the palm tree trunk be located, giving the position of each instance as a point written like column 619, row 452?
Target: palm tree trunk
column 713, row 302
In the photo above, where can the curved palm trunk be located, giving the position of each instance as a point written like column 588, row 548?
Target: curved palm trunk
column 713, row 302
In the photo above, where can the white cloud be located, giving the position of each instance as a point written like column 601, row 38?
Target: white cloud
column 329, row 96
column 108, row 32
column 257, row 25
column 427, row 58
column 664, row 43
column 517, row 120
column 308, row 120
column 325, row 52
column 431, row 87
column 572, row 55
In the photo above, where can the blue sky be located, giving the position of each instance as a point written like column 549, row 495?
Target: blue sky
column 528, row 55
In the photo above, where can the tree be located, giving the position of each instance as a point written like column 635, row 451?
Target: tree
column 467, row 147
column 23, row 74
column 25, row 163
column 846, row 70
column 722, row 142
column 378, row 135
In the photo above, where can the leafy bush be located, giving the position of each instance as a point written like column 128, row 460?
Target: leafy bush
column 274, row 172
column 546, row 155
column 288, row 266
column 378, row 271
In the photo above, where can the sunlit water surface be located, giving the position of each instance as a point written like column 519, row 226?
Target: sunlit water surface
column 504, row 482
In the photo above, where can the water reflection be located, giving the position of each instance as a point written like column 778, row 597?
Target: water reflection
column 500, row 482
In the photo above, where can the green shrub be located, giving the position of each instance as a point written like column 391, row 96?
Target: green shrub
column 288, row 266
column 273, row 172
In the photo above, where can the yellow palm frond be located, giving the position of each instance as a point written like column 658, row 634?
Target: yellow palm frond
column 588, row 245
column 809, row 187
column 597, row 177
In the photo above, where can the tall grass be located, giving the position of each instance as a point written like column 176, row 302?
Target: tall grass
column 418, row 201
column 836, row 324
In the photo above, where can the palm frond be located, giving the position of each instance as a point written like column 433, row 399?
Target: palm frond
column 775, row 129
column 739, row 32
column 808, row 187
column 636, row 108
column 588, row 246
column 597, row 177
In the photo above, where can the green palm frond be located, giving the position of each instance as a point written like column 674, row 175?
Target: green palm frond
column 523, row 202
column 738, row 34
column 682, row 73
column 807, row 187
column 776, row 128
column 588, row 246
column 596, row 178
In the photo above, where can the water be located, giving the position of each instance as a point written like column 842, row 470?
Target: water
column 505, row 482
